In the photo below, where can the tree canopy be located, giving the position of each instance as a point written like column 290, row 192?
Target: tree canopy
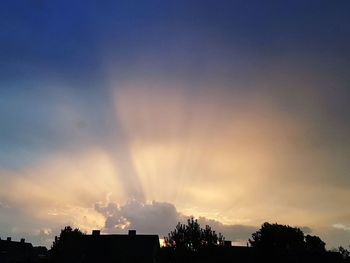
column 277, row 237
column 344, row 252
column 192, row 237
column 314, row 244
column 285, row 239
column 67, row 245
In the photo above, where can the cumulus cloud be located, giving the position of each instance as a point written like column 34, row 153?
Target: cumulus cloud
column 335, row 235
column 235, row 233
column 155, row 217
column 161, row 218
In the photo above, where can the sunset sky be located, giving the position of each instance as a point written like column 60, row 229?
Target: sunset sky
column 119, row 115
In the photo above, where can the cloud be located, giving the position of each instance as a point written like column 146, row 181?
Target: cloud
column 161, row 218
column 341, row 226
column 335, row 235
column 154, row 217
column 17, row 224
column 306, row 230
column 238, row 169
column 236, row 233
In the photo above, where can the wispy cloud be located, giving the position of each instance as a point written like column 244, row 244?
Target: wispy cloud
column 341, row 226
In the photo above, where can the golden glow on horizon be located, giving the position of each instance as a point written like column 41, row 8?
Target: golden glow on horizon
column 216, row 159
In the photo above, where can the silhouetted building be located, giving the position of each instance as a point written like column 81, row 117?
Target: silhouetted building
column 15, row 251
column 121, row 248
column 113, row 248
column 40, row 254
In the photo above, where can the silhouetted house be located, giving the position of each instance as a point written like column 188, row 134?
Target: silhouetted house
column 15, row 251
column 119, row 248
column 40, row 254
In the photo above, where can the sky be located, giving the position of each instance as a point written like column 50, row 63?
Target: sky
column 119, row 115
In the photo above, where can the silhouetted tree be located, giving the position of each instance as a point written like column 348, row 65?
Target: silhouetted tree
column 315, row 244
column 176, row 238
column 209, row 237
column 67, row 247
column 275, row 237
column 191, row 237
column 283, row 243
column 344, row 252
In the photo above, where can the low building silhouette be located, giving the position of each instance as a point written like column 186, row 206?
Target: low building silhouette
column 120, row 248
column 99, row 247
column 15, row 251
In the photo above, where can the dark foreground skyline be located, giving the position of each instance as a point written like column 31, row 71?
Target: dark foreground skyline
column 121, row 115
column 188, row 242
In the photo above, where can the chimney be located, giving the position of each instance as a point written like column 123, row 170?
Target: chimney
column 95, row 232
column 8, row 238
column 132, row 233
column 22, row 240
